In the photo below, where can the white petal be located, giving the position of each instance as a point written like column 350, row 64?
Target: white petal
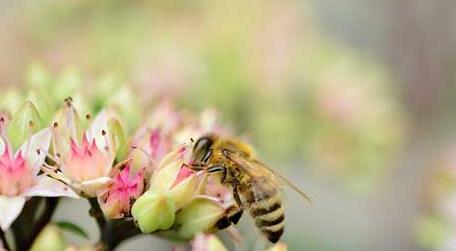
column 49, row 187
column 2, row 146
column 92, row 187
column 40, row 140
column 10, row 208
column 99, row 124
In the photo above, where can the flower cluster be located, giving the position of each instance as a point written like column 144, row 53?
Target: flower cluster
column 137, row 184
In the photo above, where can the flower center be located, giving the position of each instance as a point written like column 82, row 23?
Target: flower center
column 16, row 175
column 85, row 162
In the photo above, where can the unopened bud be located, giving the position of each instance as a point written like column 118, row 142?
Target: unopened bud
column 153, row 211
column 201, row 215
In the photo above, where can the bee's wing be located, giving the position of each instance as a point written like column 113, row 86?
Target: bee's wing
column 257, row 169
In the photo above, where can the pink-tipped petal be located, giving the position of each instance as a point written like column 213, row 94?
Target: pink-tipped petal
column 16, row 175
column 87, row 161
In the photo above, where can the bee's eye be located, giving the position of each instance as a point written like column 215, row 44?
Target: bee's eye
column 203, row 148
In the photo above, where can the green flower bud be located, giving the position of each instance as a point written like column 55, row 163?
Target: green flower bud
column 184, row 192
column 154, row 211
column 278, row 247
column 173, row 178
column 50, row 239
column 200, row 215
column 25, row 122
column 164, row 178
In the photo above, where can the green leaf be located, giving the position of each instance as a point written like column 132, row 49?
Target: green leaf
column 73, row 228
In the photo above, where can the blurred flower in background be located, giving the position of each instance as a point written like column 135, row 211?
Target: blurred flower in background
column 267, row 68
column 310, row 104
column 436, row 226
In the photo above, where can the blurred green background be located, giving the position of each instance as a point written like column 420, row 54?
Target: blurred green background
column 354, row 100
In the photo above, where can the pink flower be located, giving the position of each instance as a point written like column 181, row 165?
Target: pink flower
column 19, row 177
column 156, row 138
column 85, row 156
column 82, row 160
column 15, row 174
column 125, row 188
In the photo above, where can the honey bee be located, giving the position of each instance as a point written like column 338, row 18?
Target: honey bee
column 256, row 187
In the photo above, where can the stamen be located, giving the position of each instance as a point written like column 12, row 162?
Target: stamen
column 105, row 136
column 88, row 116
column 57, row 161
column 203, row 196
column 2, row 125
column 56, row 175
column 53, row 168
column 144, row 151
column 55, row 124
column 68, row 101
column 203, row 181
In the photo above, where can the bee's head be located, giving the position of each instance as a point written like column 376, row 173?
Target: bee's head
column 202, row 150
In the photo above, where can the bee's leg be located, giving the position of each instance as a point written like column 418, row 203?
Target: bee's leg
column 234, row 218
column 223, row 223
column 236, row 215
column 195, row 167
column 216, row 169
column 236, row 196
column 232, row 215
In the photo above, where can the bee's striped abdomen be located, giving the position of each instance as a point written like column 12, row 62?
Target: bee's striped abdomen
column 267, row 211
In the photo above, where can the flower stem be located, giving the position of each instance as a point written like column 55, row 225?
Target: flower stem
column 117, row 231
column 25, row 235
column 95, row 212
column 4, row 241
